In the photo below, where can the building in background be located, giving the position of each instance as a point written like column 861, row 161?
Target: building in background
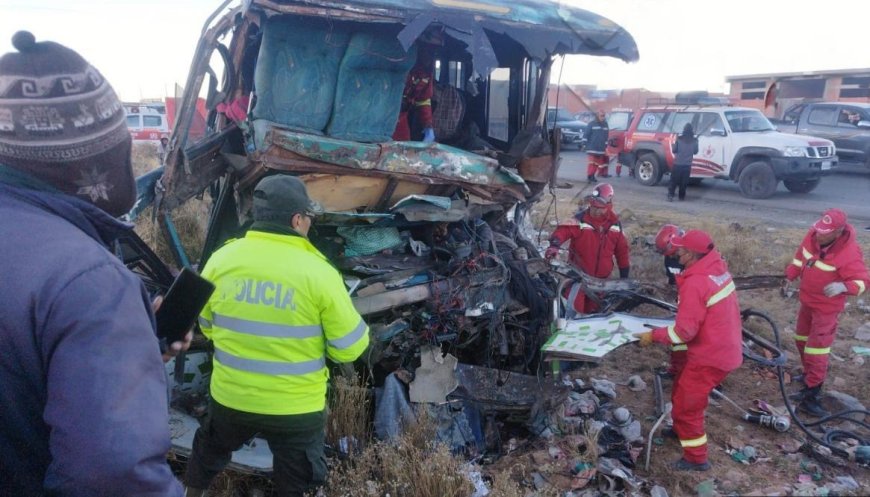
column 775, row 92
column 579, row 99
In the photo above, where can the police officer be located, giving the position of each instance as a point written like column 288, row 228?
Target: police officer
column 279, row 311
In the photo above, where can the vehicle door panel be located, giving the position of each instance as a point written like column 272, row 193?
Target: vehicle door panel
column 820, row 121
column 713, row 143
column 850, row 142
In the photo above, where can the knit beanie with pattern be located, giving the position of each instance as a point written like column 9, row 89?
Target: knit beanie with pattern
column 61, row 122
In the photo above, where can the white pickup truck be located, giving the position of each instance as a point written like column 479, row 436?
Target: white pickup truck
column 735, row 143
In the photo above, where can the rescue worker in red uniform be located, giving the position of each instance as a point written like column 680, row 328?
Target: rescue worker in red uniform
column 830, row 265
column 419, row 87
column 672, row 269
column 708, row 322
column 596, row 239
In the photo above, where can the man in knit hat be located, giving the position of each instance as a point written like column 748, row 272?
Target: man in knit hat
column 82, row 385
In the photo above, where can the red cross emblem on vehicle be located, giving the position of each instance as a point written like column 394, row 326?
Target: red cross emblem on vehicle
column 709, row 151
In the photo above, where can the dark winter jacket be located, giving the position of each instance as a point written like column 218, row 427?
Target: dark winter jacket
column 596, row 136
column 83, row 408
column 684, row 149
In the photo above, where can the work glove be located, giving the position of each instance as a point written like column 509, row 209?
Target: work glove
column 428, row 135
column 645, row 338
column 623, row 273
column 834, row 289
column 551, row 252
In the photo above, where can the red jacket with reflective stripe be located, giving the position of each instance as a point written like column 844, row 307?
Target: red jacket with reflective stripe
column 818, row 266
column 594, row 243
column 708, row 315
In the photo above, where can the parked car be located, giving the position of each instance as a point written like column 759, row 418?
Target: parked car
column 425, row 234
column 735, row 143
column 585, row 117
column 846, row 124
column 619, row 120
column 572, row 129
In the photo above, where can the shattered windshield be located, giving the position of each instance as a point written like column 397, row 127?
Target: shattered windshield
column 748, row 121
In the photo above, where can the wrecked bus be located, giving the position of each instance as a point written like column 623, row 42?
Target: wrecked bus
column 426, row 234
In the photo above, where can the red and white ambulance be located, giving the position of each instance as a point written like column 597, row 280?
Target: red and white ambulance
column 147, row 122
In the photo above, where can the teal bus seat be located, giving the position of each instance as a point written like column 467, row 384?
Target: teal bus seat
column 371, row 80
column 297, row 70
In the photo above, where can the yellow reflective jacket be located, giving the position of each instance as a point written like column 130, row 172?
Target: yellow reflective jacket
column 279, row 310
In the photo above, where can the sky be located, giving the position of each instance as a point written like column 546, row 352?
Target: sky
column 145, row 48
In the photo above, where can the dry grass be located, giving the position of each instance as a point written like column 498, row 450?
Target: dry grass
column 231, row 484
column 144, row 157
column 191, row 219
column 349, row 414
column 412, row 466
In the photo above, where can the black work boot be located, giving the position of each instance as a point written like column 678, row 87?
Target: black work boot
column 812, row 403
column 684, row 465
column 799, row 395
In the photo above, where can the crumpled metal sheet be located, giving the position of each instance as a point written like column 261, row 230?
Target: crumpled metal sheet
column 568, row 29
column 496, row 389
column 414, row 158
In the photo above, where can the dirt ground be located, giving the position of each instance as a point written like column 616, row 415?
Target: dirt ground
column 751, row 248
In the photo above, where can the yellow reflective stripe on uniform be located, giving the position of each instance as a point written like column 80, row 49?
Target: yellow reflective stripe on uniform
column 801, row 338
column 807, row 254
column 672, row 334
column 351, row 338
column 824, row 267
column 695, row 442
column 861, row 286
column 615, row 228
column 585, row 226
column 424, row 102
column 271, row 368
column 721, row 294
column 797, row 262
column 261, row 329
column 817, row 350
column 679, row 347
column 204, row 323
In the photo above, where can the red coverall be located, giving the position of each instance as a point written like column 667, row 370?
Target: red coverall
column 419, row 87
column 840, row 261
column 708, row 321
column 594, row 243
